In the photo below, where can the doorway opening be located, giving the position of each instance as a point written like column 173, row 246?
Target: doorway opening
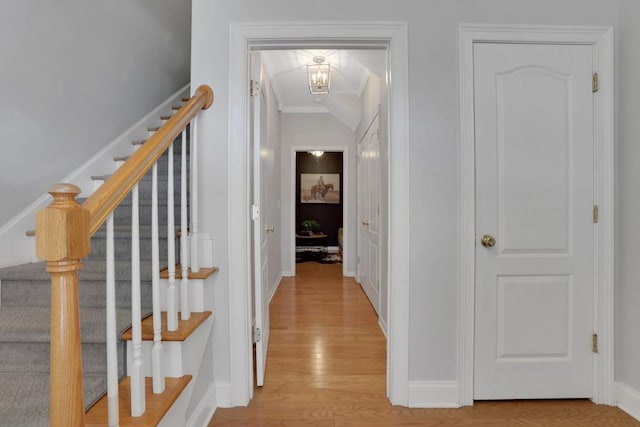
column 345, row 136
column 319, row 206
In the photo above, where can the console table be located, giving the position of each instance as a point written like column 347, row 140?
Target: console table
column 311, row 247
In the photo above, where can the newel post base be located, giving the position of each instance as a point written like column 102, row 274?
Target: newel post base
column 62, row 239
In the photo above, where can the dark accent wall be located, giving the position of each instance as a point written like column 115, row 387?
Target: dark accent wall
column 328, row 215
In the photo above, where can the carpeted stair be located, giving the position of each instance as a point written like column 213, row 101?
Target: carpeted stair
column 25, row 314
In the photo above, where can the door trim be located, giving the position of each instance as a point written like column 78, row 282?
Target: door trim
column 601, row 39
column 244, row 36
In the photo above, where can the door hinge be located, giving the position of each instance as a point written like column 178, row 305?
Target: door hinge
column 594, row 83
column 256, row 335
column 594, row 343
column 254, row 87
column 596, row 214
column 255, row 212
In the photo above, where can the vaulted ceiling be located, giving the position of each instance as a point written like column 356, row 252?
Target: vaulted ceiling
column 350, row 70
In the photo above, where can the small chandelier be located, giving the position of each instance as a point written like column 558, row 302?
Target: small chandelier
column 319, row 76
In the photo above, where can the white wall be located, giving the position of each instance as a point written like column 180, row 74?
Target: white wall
column 324, row 131
column 271, row 175
column 74, row 75
column 434, row 124
column 628, row 198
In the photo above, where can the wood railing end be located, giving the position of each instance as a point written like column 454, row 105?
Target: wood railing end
column 208, row 92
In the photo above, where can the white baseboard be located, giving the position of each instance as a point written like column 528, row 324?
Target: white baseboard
column 383, row 326
column 433, row 394
column 628, row 400
column 287, row 274
column 350, row 274
column 274, row 288
column 223, row 394
column 204, row 410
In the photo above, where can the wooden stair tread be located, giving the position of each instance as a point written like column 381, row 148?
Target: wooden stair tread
column 176, row 107
column 157, row 405
column 164, row 118
column 99, row 177
column 30, row 233
column 138, row 142
column 185, row 327
column 121, row 158
column 203, row 273
column 153, row 129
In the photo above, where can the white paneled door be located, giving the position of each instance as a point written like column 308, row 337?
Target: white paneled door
column 259, row 231
column 369, row 213
column 534, row 221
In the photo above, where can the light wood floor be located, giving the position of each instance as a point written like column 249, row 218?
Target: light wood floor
column 326, row 367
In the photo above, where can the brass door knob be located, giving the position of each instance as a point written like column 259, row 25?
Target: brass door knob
column 488, row 241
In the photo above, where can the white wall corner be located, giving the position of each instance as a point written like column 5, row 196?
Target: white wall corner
column 628, row 399
column 433, row 394
column 223, row 394
column 205, row 409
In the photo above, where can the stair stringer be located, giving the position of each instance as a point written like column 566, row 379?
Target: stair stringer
column 17, row 248
column 196, row 405
column 183, row 358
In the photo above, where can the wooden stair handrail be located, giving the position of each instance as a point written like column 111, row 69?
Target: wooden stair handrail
column 109, row 195
column 63, row 233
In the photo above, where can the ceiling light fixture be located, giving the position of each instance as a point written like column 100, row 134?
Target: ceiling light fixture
column 316, row 153
column 319, row 75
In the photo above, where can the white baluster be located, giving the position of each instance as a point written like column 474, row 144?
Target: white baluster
column 156, row 353
column 172, row 291
column 184, row 284
column 195, row 261
column 113, row 411
column 137, row 376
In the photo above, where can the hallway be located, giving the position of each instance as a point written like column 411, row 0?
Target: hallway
column 327, row 362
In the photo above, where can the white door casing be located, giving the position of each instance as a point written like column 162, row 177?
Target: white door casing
column 259, row 233
column 600, row 41
column 534, row 196
column 242, row 37
column 369, row 212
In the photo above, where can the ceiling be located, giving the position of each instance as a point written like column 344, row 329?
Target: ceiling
column 350, row 70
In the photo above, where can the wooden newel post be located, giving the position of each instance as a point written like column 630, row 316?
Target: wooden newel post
column 62, row 239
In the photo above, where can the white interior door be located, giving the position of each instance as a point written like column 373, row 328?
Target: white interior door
column 259, row 233
column 369, row 213
column 534, row 195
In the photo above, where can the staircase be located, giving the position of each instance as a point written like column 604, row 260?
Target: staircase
column 25, row 299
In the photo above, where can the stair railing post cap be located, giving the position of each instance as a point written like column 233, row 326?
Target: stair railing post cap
column 65, row 188
column 62, row 228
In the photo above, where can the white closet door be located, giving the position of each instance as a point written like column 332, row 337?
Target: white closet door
column 534, row 196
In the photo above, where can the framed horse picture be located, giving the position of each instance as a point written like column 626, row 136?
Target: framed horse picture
column 320, row 188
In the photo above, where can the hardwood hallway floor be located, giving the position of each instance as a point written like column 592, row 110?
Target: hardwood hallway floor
column 327, row 367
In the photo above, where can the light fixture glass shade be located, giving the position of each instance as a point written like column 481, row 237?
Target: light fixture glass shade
column 319, row 77
column 316, row 153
